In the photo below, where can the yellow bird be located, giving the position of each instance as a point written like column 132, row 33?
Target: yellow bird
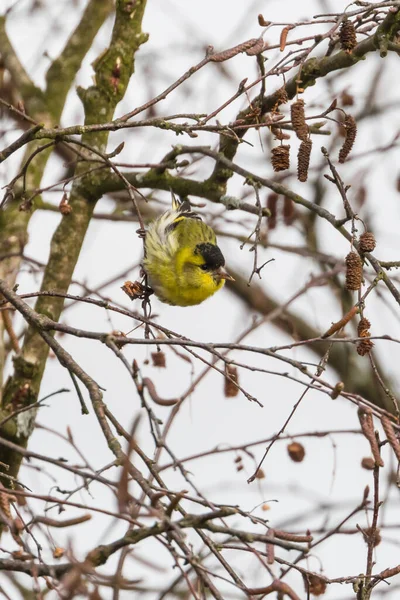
column 182, row 261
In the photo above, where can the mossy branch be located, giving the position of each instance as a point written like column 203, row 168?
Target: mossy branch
column 306, row 76
column 62, row 72
column 99, row 103
column 47, row 108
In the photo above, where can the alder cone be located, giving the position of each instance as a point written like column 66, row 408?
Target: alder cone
column 367, row 242
column 280, row 158
column 316, row 585
column 298, row 119
column 303, row 160
column 347, row 36
column 363, row 327
column 350, row 127
column 353, row 271
column 365, row 346
column 158, row 359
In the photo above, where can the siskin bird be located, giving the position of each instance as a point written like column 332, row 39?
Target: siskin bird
column 182, row 261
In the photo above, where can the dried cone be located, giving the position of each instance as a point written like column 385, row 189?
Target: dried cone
column 133, row 289
column 350, row 126
column 58, row 552
column 281, row 98
column 315, row 585
column 95, row 594
column 231, row 377
column 279, row 134
column 347, row 36
column 366, row 344
column 280, row 158
column 368, row 463
column 363, row 327
column 303, row 160
column 64, row 207
column 296, row 451
column 298, row 119
column 372, row 535
column 353, row 271
column 367, row 242
column 158, row 359
column 346, row 99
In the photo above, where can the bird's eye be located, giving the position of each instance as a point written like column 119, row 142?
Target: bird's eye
column 204, row 267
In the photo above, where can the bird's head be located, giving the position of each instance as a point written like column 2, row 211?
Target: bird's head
column 211, row 262
column 202, row 268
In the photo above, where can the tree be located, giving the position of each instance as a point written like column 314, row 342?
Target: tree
column 268, row 161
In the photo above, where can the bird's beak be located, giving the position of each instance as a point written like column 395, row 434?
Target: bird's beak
column 222, row 274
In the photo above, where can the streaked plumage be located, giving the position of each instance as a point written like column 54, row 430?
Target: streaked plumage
column 182, row 260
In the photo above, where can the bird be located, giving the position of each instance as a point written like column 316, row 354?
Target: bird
column 182, row 261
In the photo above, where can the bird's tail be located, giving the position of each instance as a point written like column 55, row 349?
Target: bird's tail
column 183, row 207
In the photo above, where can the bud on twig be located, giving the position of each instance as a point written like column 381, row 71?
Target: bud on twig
column 337, row 390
